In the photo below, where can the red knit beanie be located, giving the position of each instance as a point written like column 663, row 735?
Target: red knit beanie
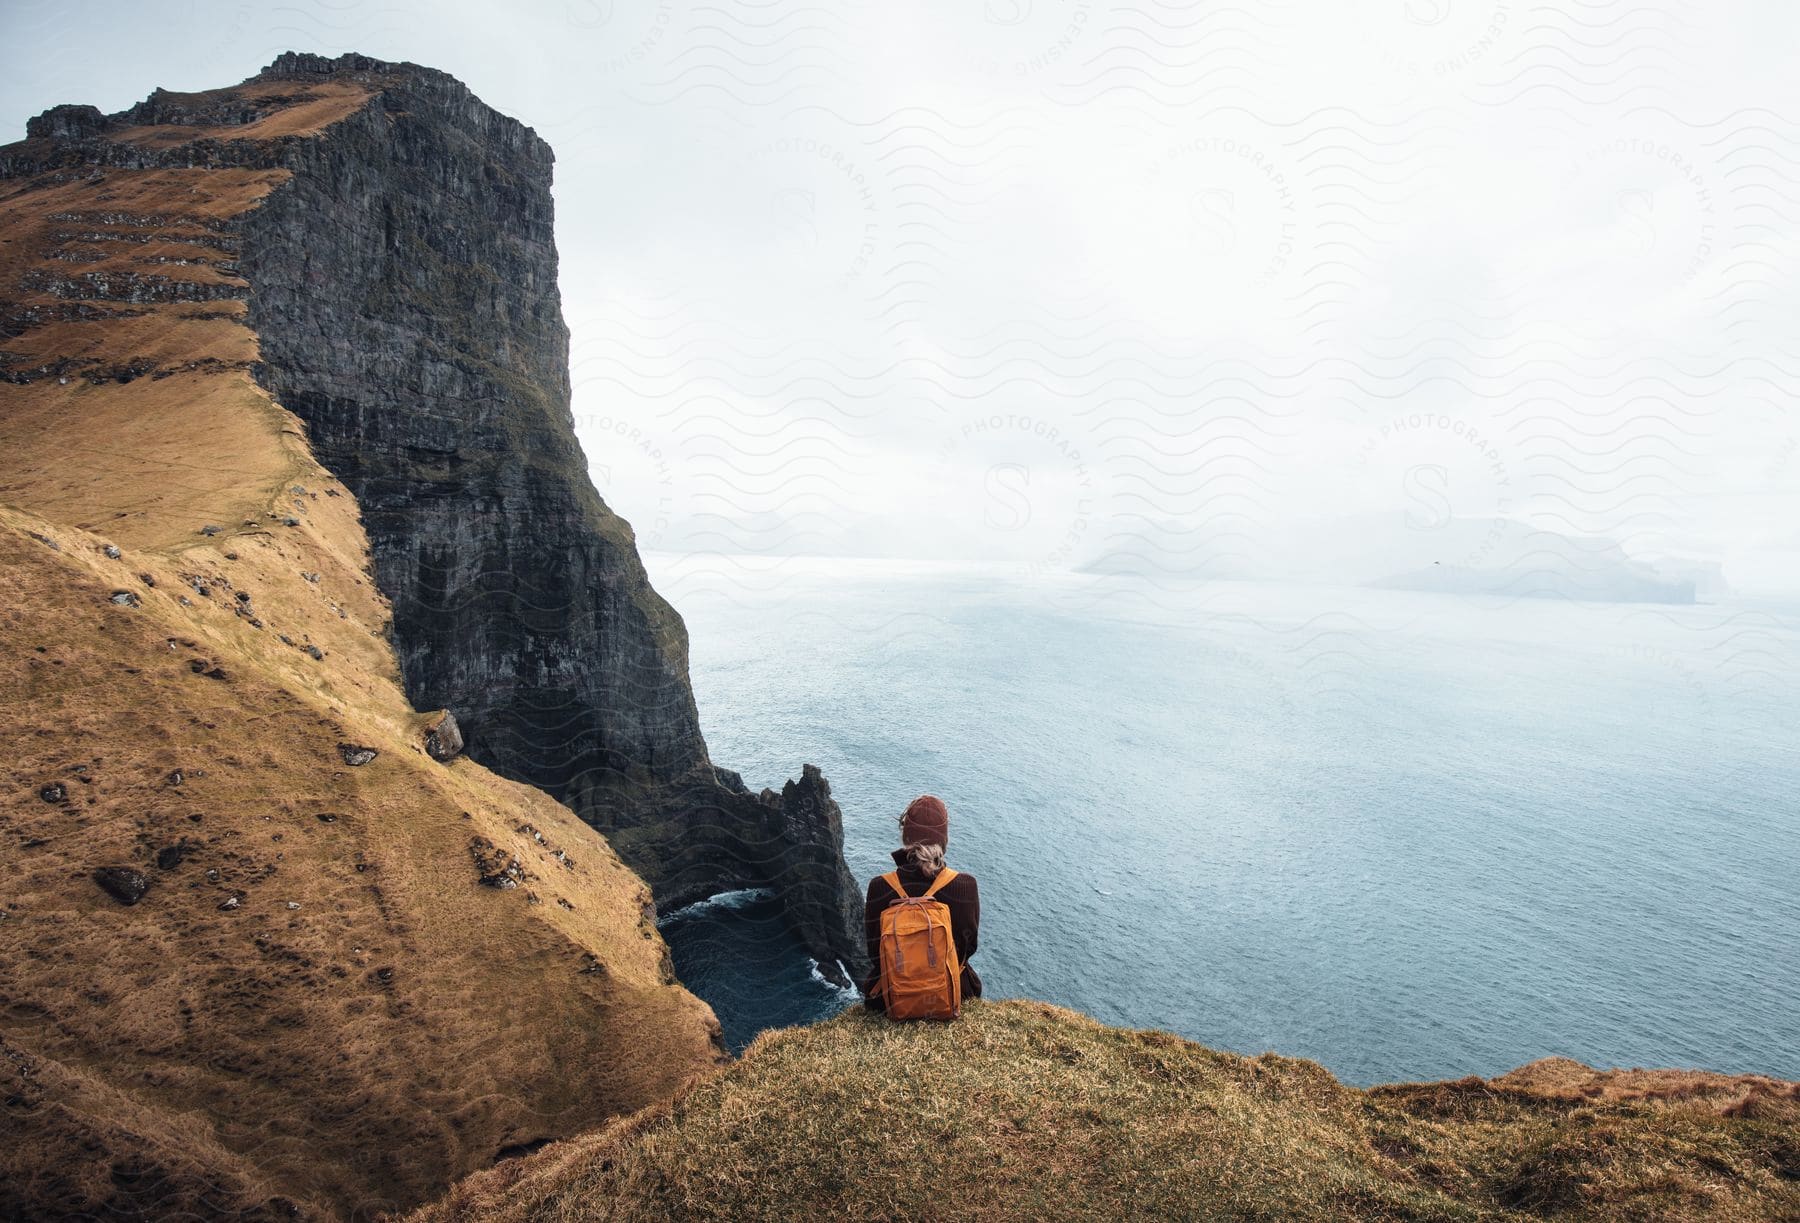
column 926, row 822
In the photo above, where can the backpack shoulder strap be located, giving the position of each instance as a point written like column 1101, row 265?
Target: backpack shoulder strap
column 892, row 879
column 944, row 876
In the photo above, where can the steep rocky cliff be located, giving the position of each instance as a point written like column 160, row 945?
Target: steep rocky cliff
column 268, row 945
column 404, row 290
column 400, row 278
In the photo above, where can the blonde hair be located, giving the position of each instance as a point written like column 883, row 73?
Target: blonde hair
column 928, row 858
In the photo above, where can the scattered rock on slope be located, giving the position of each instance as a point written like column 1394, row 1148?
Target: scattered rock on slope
column 494, row 867
column 122, row 883
column 169, row 856
column 443, row 740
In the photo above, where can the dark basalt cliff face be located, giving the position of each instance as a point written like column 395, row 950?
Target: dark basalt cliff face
column 403, row 290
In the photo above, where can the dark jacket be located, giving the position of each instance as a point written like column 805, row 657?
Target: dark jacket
column 960, row 894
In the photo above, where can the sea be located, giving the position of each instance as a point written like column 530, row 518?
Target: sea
column 1409, row 836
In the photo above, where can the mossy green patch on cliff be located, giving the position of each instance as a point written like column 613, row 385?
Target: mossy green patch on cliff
column 1027, row 1111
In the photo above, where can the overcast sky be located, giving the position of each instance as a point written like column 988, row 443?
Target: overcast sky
column 1048, row 282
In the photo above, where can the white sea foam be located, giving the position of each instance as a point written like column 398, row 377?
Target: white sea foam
column 850, row 993
column 720, row 902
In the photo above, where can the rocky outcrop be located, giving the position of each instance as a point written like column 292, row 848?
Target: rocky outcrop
column 401, row 280
column 443, row 739
column 123, row 884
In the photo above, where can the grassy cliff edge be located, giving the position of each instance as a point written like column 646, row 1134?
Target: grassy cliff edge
column 1026, row 1110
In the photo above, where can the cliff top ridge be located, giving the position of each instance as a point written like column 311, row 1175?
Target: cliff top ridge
column 321, row 90
column 1023, row 1110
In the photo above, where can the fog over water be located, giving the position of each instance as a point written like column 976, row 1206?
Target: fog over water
column 1156, row 286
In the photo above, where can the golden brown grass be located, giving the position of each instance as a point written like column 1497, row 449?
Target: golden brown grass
column 302, row 110
column 80, row 216
column 1026, row 1111
column 149, row 463
column 367, row 1022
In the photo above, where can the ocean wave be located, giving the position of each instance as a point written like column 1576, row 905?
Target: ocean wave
column 720, row 902
column 849, row 993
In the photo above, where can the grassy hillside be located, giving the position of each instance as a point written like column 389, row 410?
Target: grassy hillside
column 315, row 997
column 240, row 973
column 1027, row 1111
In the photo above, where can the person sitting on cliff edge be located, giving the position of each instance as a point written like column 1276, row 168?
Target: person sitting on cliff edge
column 918, row 890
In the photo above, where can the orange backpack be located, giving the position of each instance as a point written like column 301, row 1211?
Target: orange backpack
column 920, row 975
